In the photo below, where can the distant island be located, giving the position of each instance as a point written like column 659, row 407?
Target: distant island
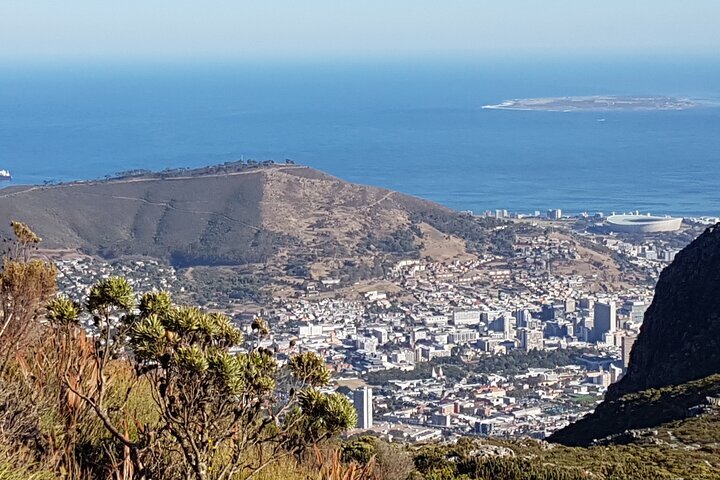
column 598, row 103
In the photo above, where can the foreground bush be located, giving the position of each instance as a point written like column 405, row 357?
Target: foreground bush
column 129, row 387
column 219, row 413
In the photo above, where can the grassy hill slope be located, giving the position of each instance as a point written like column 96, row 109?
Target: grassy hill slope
column 279, row 214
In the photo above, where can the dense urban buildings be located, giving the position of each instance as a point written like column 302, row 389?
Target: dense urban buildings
column 502, row 346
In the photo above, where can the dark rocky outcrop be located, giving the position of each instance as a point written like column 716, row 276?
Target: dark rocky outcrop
column 675, row 362
column 680, row 337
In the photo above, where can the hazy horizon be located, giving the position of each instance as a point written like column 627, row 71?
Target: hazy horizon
column 316, row 30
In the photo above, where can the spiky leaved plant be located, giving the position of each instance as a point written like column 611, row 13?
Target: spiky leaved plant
column 222, row 412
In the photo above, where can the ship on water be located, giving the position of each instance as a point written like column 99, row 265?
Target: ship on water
column 5, row 175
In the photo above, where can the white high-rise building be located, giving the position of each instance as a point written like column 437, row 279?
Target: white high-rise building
column 554, row 214
column 508, row 329
column 362, row 398
column 530, row 339
column 605, row 319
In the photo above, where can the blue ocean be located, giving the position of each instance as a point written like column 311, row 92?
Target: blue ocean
column 413, row 126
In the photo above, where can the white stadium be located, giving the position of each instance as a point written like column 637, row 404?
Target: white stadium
column 642, row 223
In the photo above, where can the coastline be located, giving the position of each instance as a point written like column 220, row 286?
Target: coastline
column 449, row 200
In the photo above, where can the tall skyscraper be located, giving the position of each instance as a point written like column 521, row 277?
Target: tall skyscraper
column 586, row 329
column 548, row 311
column 554, row 214
column 507, row 326
column 570, row 305
column 605, row 319
column 522, row 318
column 362, row 398
column 626, row 347
column 637, row 312
column 530, row 339
column 586, row 303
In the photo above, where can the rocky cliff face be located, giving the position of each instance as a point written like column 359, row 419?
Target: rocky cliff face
column 680, row 337
column 675, row 362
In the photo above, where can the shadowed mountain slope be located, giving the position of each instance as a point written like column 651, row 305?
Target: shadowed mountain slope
column 675, row 362
column 680, row 337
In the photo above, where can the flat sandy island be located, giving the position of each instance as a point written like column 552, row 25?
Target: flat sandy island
column 603, row 103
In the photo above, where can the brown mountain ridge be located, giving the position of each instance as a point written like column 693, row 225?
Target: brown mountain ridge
column 236, row 214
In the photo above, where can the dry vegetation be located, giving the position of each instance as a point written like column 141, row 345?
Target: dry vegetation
column 154, row 391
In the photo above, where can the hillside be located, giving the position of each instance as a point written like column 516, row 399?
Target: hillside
column 284, row 215
column 499, row 459
column 674, row 370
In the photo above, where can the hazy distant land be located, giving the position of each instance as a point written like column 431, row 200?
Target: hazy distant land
column 599, row 103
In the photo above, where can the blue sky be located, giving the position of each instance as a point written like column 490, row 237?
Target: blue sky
column 126, row 29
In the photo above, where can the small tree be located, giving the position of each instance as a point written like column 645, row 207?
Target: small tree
column 224, row 413
column 25, row 285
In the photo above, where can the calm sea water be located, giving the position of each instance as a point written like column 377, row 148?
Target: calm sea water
column 414, row 127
